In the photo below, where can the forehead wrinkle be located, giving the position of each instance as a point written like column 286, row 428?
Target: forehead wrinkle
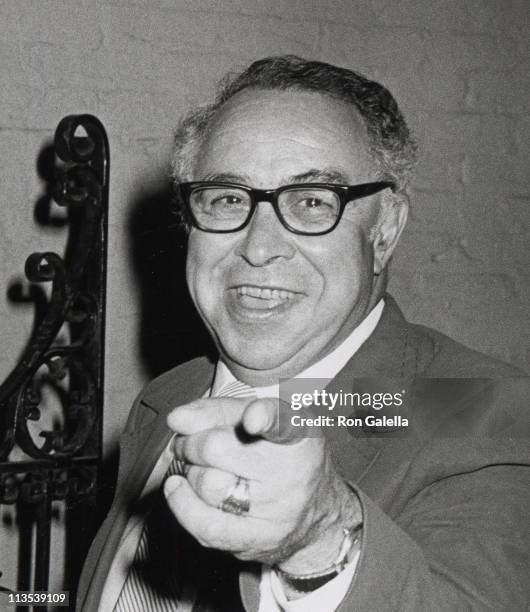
column 236, row 127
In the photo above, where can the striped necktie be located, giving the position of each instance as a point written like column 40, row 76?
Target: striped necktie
column 236, row 388
column 154, row 580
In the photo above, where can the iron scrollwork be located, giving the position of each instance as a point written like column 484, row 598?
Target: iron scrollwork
column 60, row 462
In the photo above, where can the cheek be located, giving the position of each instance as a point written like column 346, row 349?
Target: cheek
column 192, row 265
column 204, row 267
column 199, row 267
column 346, row 269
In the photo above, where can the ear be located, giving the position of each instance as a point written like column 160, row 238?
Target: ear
column 391, row 222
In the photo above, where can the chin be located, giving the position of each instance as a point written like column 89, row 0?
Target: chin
column 257, row 359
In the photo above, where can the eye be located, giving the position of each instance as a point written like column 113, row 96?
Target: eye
column 312, row 203
column 226, row 200
column 220, row 202
column 309, row 200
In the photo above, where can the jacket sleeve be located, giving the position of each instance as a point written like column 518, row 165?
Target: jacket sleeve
column 460, row 543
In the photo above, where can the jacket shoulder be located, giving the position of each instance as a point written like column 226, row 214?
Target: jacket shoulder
column 177, row 386
column 191, row 375
column 439, row 355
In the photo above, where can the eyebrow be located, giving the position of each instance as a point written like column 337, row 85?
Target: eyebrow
column 226, row 177
column 314, row 175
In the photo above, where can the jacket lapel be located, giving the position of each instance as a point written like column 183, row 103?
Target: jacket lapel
column 390, row 352
column 141, row 444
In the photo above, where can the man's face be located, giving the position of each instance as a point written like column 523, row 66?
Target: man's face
column 276, row 302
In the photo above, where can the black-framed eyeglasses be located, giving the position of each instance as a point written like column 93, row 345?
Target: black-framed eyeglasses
column 310, row 209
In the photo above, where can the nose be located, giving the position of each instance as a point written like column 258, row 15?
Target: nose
column 265, row 240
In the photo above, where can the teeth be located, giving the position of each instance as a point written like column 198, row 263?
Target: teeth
column 265, row 293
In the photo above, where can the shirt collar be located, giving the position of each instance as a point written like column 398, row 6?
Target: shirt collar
column 328, row 367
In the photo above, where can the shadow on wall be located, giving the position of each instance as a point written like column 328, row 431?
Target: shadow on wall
column 20, row 291
column 171, row 331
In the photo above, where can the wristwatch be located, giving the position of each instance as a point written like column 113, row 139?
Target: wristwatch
column 305, row 583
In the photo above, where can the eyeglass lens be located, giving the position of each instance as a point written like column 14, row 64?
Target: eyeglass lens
column 305, row 209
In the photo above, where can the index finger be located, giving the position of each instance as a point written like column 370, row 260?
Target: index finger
column 262, row 418
column 206, row 413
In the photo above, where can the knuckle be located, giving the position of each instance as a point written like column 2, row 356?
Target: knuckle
column 211, row 447
column 194, row 477
column 210, row 481
column 202, row 483
column 183, row 448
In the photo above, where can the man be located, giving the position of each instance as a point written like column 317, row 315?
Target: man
column 294, row 185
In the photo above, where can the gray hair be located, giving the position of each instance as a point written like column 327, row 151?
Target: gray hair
column 391, row 144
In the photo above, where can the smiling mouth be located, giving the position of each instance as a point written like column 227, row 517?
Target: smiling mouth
column 263, row 298
column 265, row 293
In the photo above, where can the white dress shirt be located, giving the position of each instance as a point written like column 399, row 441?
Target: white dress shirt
column 272, row 597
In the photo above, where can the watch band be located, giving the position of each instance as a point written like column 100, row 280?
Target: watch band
column 305, row 583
